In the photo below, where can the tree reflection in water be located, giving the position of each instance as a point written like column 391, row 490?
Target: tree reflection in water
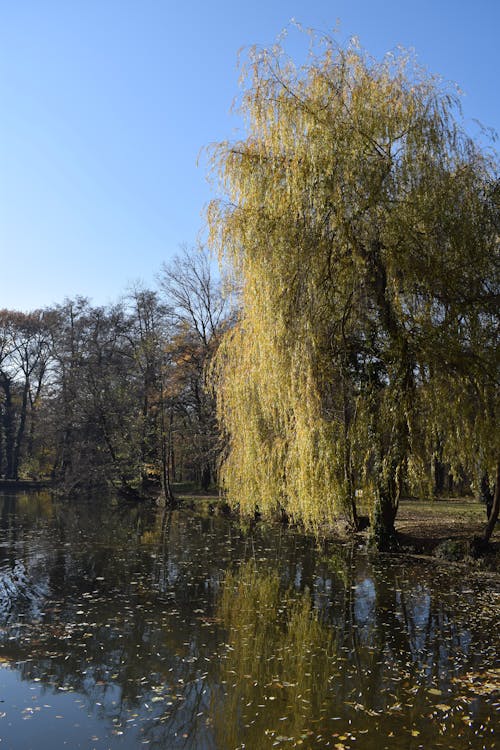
column 275, row 669
column 374, row 659
column 178, row 630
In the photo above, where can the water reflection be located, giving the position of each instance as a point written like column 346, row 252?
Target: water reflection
column 177, row 629
column 372, row 660
column 275, row 669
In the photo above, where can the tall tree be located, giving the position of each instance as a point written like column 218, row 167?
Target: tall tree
column 150, row 333
column 361, row 220
column 24, row 359
column 97, row 396
column 200, row 311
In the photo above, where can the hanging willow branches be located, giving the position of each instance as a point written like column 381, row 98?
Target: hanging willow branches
column 362, row 222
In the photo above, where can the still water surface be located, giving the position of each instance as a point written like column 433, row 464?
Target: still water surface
column 127, row 628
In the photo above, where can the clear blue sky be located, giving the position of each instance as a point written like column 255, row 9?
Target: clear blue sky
column 105, row 105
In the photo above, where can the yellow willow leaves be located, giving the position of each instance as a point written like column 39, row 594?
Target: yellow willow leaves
column 280, row 445
column 355, row 215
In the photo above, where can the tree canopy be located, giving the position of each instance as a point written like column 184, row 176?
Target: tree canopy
column 362, row 222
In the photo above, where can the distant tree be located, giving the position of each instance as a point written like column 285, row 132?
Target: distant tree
column 363, row 224
column 150, row 333
column 200, row 312
column 96, row 399
column 24, row 359
column 67, row 343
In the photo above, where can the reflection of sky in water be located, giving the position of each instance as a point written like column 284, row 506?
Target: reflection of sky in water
column 34, row 717
column 298, row 576
column 418, row 599
column 23, row 588
column 364, row 602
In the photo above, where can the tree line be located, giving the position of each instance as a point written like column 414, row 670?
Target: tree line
column 96, row 395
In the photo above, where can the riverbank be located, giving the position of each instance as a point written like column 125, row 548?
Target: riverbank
column 444, row 529
column 25, row 484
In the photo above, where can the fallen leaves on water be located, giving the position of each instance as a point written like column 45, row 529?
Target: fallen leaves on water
column 481, row 683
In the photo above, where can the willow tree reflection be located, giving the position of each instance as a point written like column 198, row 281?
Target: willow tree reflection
column 275, row 667
column 370, row 654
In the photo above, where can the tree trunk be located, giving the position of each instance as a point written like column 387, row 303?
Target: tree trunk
column 205, row 477
column 495, row 508
column 384, row 533
column 166, row 485
column 388, row 492
column 8, row 422
column 486, row 493
column 1, row 440
column 165, row 442
column 20, row 430
column 439, row 475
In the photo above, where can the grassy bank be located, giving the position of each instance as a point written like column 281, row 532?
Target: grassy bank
column 445, row 529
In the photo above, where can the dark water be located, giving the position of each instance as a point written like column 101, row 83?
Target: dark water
column 124, row 629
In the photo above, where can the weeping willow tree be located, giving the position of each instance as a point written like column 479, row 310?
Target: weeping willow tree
column 361, row 222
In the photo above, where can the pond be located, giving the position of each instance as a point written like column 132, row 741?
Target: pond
column 123, row 627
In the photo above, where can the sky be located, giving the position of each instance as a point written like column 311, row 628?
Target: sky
column 107, row 107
